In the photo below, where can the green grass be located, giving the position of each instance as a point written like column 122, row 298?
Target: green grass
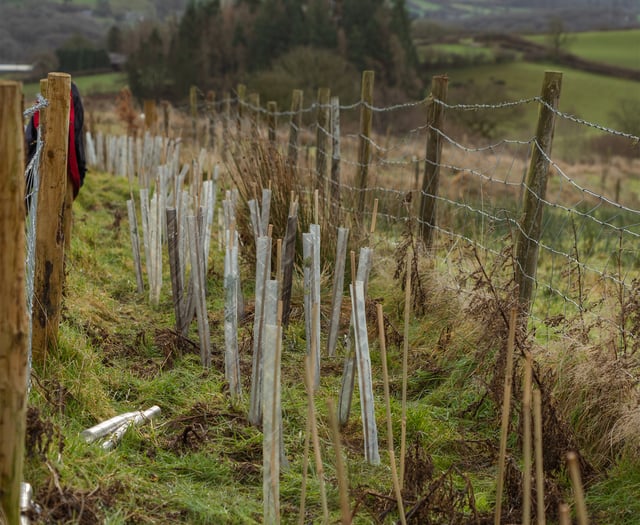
column 200, row 461
column 104, row 83
column 618, row 48
column 582, row 93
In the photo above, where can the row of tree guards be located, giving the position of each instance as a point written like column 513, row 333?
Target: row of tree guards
column 182, row 218
column 128, row 155
column 186, row 225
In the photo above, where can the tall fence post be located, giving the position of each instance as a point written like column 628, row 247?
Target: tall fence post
column 294, row 128
column 335, row 159
column 13, row 321
column 435, row 119
column 242, row 92
column 211, row 115
column 49, row 264
column 322, row 138
column 254, row 111
column 272, row 123
column 535, row 190
column 193, row 106
column 225, row 124
column 150, row 115
column 364, row 149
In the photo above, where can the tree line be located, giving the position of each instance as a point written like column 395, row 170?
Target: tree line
column 215, row 46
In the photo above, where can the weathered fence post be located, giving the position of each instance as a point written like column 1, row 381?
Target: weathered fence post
column 13, row 321
column 335, row 158
column 364, row 148
column 536, row 189
column 193, row 108
column 150, row 115
column 254, row 111
column 225, row 125
column 294, row 129
column 211, row 119
column 49, row 264
column 272, row 123
column 242, row 92
column 435, row 119
column 322, row 138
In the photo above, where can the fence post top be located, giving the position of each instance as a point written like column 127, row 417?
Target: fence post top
column 57, row 74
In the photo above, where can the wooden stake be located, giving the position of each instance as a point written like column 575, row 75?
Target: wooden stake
column 564, row 514
column 343, row 483
column 374, row 216
column 537, row 430
column 578, row 493
column 506, row 407
column 309, row 366
column 405, row 368
column 526, row 442
column 387, row 402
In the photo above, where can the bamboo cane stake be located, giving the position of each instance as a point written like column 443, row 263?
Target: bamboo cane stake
column 305, row 470
column 526, row 442
column 578, row 492
column 405, row 369
column 564, row 514
column 537, row 430
column 309, row 367
column 343, row 483
column 387, row 402
column 506, row 406
column 374, row 216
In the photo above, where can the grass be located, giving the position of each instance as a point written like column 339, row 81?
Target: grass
column 100, row 84
column 581, row 92
column 618, row 48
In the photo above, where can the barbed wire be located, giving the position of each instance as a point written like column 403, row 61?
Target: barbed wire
column 583, row 122
column 41, row 103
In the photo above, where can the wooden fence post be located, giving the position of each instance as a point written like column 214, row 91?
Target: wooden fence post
column 225, row 125
column 335, row 159
column 364, row 149
column 322, row 138
column 254, row 111
column 211, row 117
column 435, row 119
column 242, row 92
column 294, row 129
column 535, row 190
column 13, row 318
column 272, row 123
column 150, row 115
column 193, row 107
column 49, row 271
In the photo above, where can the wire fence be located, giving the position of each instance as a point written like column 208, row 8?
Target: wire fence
column 588, row 249
column 32, row 185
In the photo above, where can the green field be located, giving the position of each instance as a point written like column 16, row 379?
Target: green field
column 589, row 96
column 88, row 85
column 619, row 48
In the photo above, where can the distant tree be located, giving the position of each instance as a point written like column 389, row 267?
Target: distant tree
column 557, row 36
column 147, row 68
column 114, row 39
